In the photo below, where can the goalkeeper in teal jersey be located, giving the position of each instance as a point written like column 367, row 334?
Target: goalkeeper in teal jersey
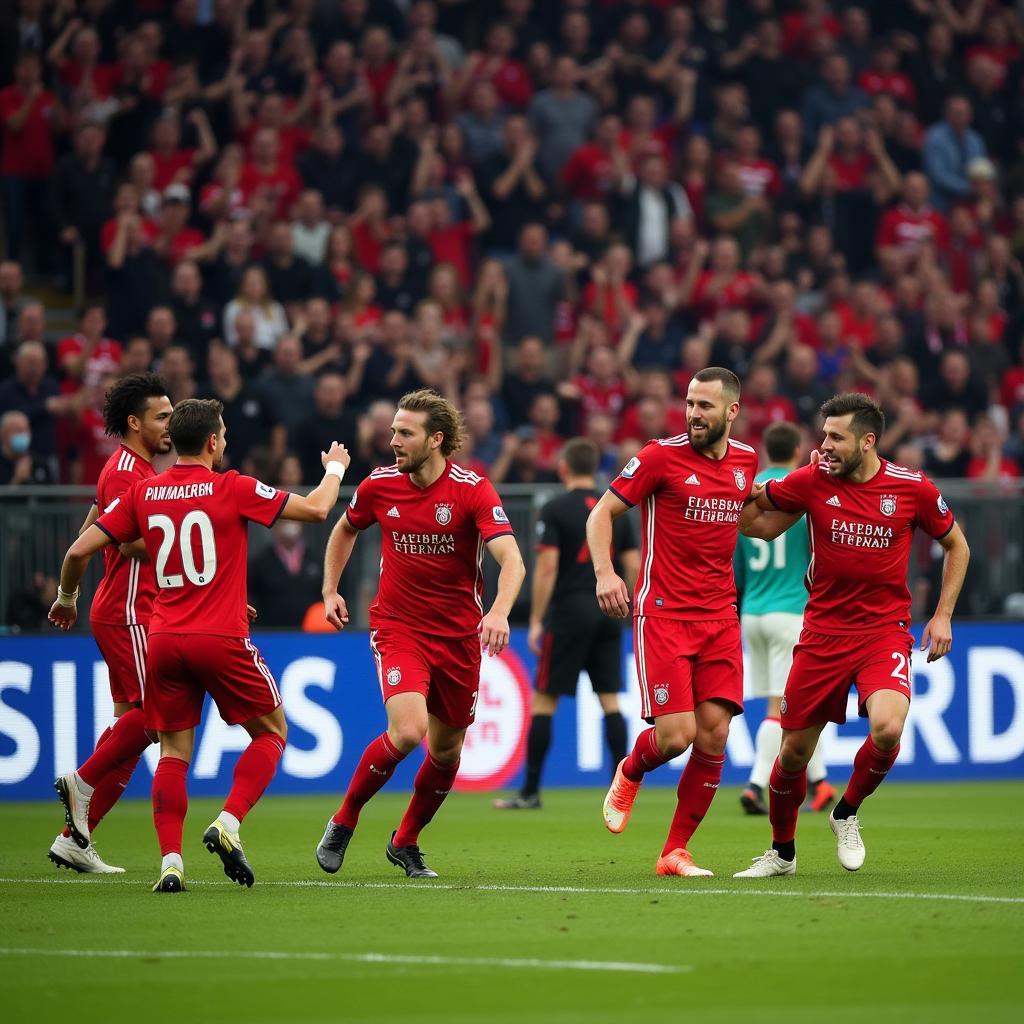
column 770, row 577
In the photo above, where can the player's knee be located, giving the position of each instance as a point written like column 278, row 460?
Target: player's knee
column 405, row 737
column 713, row 741
column 886, row 735
column 675, row 740
column 448, row 754
column 794, row 754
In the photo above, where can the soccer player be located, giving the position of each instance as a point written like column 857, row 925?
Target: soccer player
column 567, row 630
column 862, row 511
column 427, row 623
column 686, row 629
column 194, row 522
column 770, row 577
column 137, row 411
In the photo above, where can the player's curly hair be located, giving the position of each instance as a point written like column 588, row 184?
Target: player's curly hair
column 128, row 397
column 442, row 417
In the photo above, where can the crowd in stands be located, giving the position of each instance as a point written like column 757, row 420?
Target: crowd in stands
column 554, row 213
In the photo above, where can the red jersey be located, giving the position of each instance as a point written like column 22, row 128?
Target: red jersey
column 860, row 536
column 27, row 152
column 195, row 525
column 907, row 229
column 690, row 517
column 741, row 291
column 895, row 84
column 589, row 173
column 125, row 594
column 759, row 177
column 169, row 167
column 432, row 546
column 93, row 445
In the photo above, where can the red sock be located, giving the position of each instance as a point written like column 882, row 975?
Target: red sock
column 786, row 792
column 109, row 791
column 376, row 766
column 644, row 757
column 253, row 773
column 433, row 783
column 127, row 739
column 103, row 737
column 170, row 802
column 870, row 767
column 697, row 787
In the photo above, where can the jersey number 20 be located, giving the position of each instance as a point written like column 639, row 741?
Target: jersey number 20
column 200, row 577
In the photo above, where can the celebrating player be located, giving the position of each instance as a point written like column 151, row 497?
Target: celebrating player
column 861, row 514
column 686, row 630
column 427, row 623
column 770, row 577
column 136, row 410
column 567, row 631
column 194, row 522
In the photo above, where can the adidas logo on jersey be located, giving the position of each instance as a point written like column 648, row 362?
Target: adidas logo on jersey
column 693, row 480
column 393, row 512
column 834, row 501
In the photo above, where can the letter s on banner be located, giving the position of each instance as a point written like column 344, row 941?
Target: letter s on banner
column 307, row 715
column 18, row 728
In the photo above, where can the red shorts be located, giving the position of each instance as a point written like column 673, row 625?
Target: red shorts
column 124, row 650
column 826, row 665
column 445, row 670
column 682, row 663
column 185, row 667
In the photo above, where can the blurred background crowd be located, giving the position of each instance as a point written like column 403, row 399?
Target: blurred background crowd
column 553, row 213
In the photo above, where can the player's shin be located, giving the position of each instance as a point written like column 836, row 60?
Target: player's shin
column 433, row 783
column 127, row 740
column 376, row 766
column 697, row 787
column 870, row 767
column 110, row 789
column 170, row 803
column 255, row 769
column 645, row 756
column 615, row 735
column 766, row 749
column 786, row 792
column 537, row 743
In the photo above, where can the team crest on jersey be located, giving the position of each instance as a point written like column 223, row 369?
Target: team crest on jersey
column 783, row 707
column 661, row 694
column 741, row 479
column 888, row 505
column 443, row 513
column 942, row 506
column 394, row 676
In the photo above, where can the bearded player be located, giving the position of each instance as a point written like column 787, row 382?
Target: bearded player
column 427, row 624
column 137, row 411
column 861, row 511
column 686, row 629
column 195, row 522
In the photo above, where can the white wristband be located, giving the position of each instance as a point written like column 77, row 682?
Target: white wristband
column 335, row 469
column 66, row 600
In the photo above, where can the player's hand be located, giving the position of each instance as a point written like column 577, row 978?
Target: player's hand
column 61, row 617
column 535, row 638
column 494, row 634
column 250, row 613
column 939, row 633
column 337, row 610
column 336, row 453
column 612, row 596
column 815, row 459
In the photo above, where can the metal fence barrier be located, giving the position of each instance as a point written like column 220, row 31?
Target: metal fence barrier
column 37, row 524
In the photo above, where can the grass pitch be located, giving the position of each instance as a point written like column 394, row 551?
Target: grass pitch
column 538, row 916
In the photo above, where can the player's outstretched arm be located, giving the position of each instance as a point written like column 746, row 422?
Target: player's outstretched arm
column 761, row 519
column 339, row 550
column 494, row 629
column 316, row 506
column 937, row 637
column 64, row 612
column 612, row 595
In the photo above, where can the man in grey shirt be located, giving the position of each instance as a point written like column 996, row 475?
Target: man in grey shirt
column 563, row 117
column 289, row 392
column 535, row 286
column 483, row 125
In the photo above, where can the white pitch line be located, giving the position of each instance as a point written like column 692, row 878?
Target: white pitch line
column 312, row 883
column 358, row 958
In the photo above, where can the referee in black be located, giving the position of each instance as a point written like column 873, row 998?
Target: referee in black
column 568, row 632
